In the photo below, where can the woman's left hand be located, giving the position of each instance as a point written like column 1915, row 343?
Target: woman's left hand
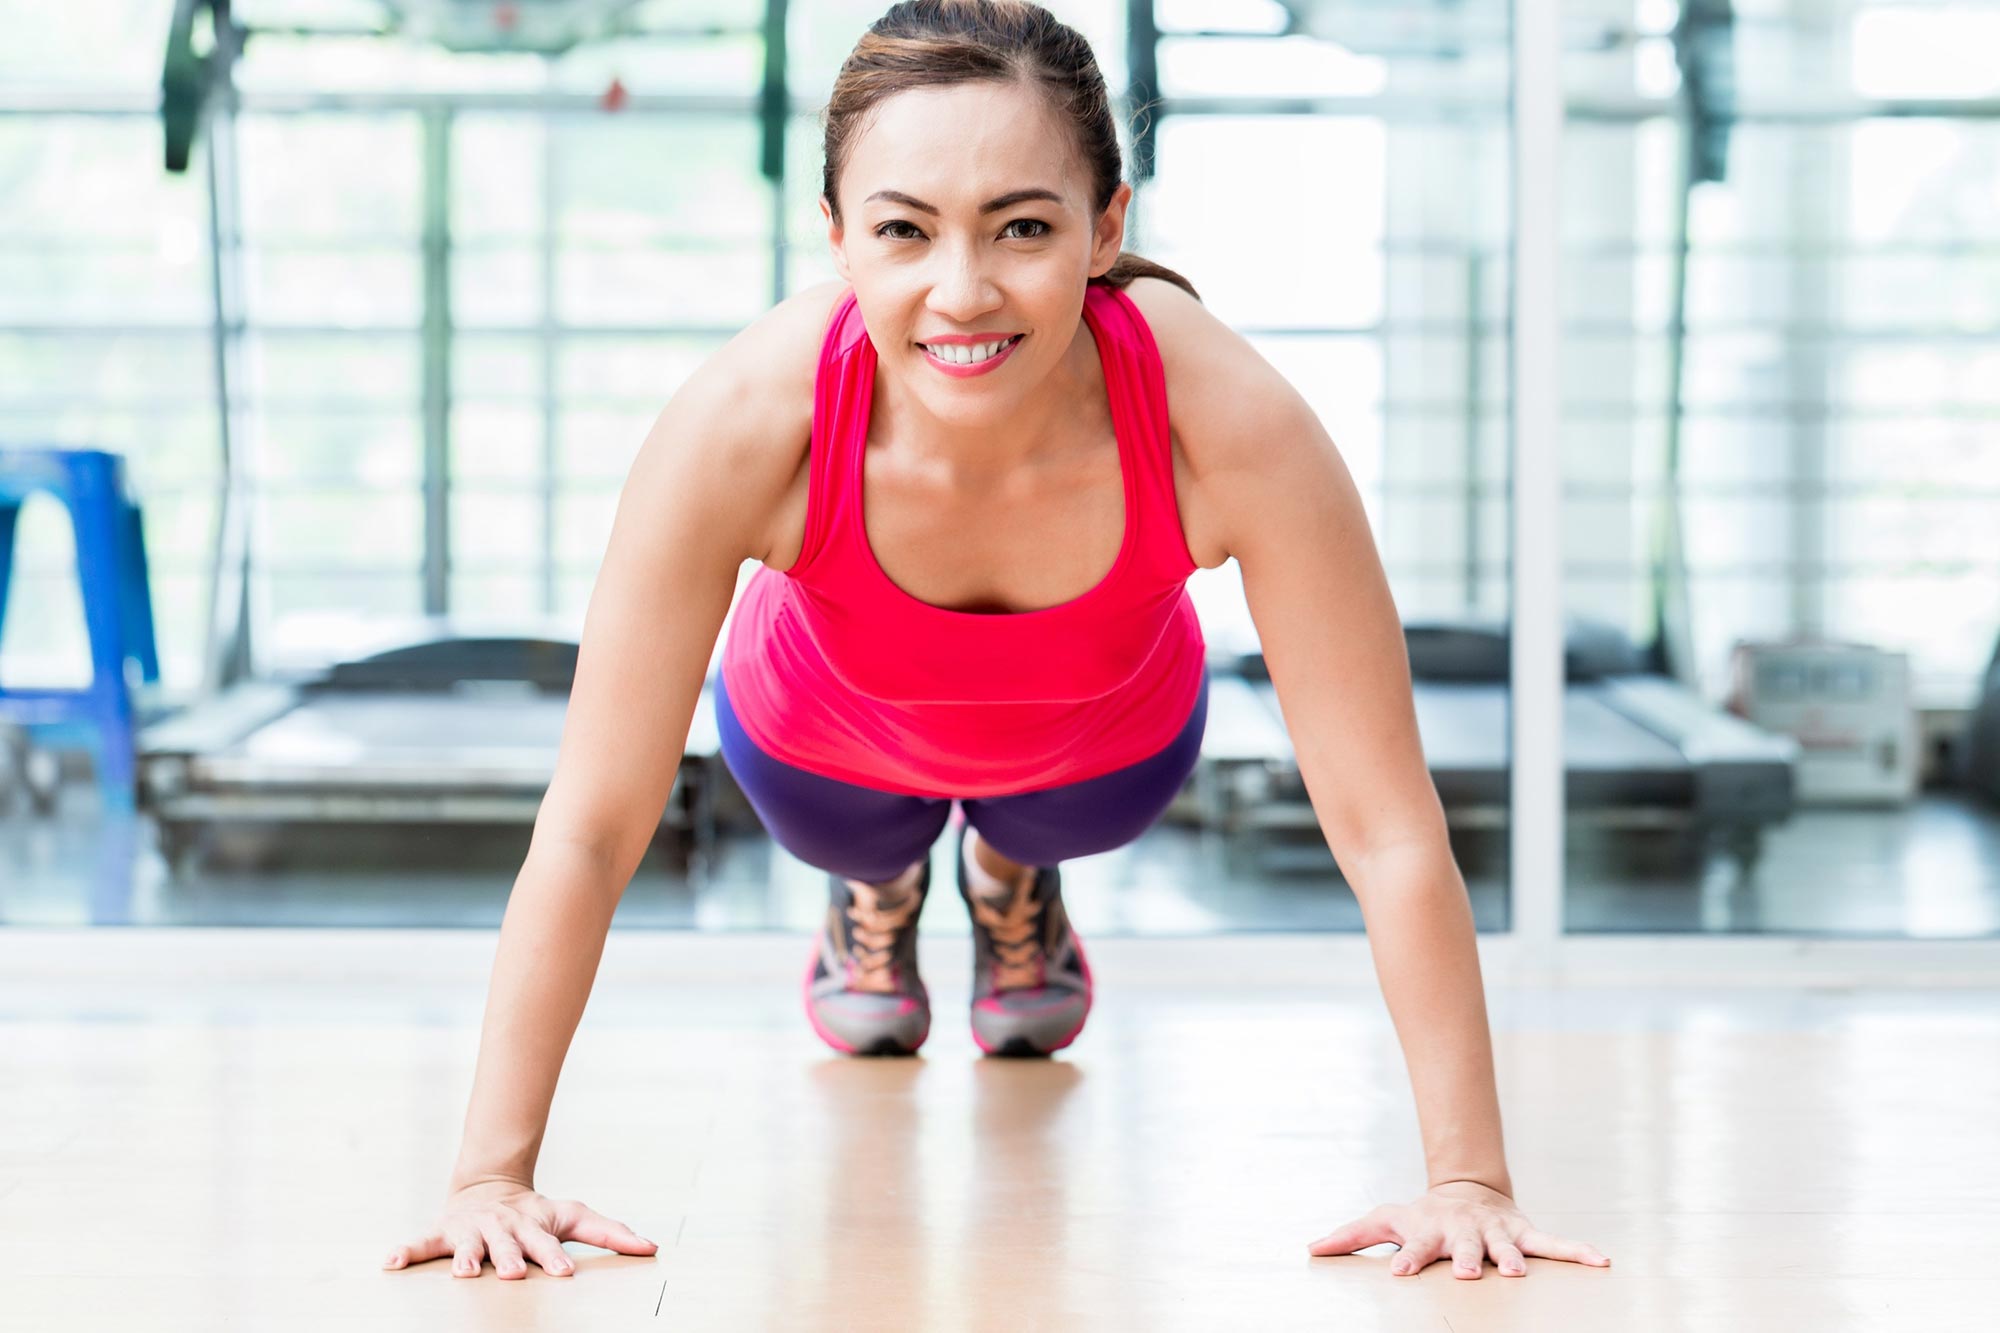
column 1463, row 1219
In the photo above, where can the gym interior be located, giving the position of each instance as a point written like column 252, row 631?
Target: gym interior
column 1660, row 340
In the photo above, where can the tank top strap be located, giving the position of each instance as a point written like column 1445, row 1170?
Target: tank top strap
column 842, row 388
column 1135, row 380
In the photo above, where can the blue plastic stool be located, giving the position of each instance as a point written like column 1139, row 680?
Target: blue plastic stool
column 117, row 602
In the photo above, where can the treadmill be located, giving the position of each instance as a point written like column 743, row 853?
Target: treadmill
column 1640, row 750
column 443, row 727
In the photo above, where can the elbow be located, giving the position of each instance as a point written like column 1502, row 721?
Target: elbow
column 1371, row 837
column 609, row 853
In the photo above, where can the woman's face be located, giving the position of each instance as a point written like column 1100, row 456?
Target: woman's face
column 929, row 261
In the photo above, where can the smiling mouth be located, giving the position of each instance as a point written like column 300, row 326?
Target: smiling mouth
column 950, row 352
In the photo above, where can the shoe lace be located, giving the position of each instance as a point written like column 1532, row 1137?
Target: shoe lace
column 874, row 925
column 1012, row 923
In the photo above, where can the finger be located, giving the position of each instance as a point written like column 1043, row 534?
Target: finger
column 1416, row 1254
column 1468, row 1255
column 1356, row 1235
column 506, row 1251
column 470, row 1248
column 576, row 1222
column 547, row 1251
column 433, row 1246
column 1505, row 1254
column 1533, row 1241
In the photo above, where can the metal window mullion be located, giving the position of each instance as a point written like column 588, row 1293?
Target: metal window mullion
column 226, row 646
column 437, row 339
column 1535, row 716
column 776, row 118
column 1475, row 278
column 550, row 213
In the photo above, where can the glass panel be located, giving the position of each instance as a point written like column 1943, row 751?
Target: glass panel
column 100, row 44
column 500, row 597
column 335, row 177
column 348, row 286
column 331, row 370
column 494, row 531
column 641, row 370
column 1783, row 499
column 373, row 450
column 381, row 594
column 583, row 526
column 702, row 183
column 298, row 369
column 499, row 286
column 600, row 445
column 1222, row 198
column 649, row 287
column 104, row 280
column 497, row 175
column 484, row 366
column 318, row 530
column 495, row 441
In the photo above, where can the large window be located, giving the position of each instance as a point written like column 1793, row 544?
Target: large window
column 459, row 287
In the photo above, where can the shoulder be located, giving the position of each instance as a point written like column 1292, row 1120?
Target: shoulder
column 1218, row 385
column 776, row 355
column 759, row 385
column 742, row 421
column 1239, row 424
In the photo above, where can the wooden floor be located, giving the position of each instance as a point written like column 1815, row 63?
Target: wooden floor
column 220, row 1130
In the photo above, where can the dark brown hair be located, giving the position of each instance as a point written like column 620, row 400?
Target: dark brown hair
column 934, row 43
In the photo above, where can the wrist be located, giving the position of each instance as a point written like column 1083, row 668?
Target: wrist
column 465, row 1180
column 1499, row 1184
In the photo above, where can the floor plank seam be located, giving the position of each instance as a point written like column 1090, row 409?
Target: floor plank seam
column 663, row 1281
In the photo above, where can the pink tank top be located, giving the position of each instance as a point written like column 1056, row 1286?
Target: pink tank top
column 833, row 668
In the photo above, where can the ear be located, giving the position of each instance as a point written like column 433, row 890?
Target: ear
column 835, row 240
column 1109, row 237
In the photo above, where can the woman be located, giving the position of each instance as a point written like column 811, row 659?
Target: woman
column 1052, row 435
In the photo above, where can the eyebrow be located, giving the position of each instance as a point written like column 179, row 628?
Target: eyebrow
column 990, row 206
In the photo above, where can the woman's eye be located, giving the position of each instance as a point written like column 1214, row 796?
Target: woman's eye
column 886, row 232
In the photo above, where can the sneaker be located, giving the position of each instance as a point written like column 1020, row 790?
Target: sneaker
column 862, row 992
column 1031, row 982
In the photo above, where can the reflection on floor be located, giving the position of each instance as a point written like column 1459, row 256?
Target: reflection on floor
column 1932, row 870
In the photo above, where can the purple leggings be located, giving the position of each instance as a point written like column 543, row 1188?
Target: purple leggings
column 870, row 835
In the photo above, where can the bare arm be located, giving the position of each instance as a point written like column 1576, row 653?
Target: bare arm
column 1271, row 482
column 1334, row 646
column 695, row 506
column 1280, row 492
column 551, row 940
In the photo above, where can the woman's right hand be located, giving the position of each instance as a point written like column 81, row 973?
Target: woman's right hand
column 508, row 1221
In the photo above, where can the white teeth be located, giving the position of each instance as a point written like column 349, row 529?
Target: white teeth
column 966, row 354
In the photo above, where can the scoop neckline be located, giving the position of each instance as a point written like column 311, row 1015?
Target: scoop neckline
column 857, row 470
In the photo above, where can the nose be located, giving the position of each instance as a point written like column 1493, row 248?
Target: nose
column 961, row 291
